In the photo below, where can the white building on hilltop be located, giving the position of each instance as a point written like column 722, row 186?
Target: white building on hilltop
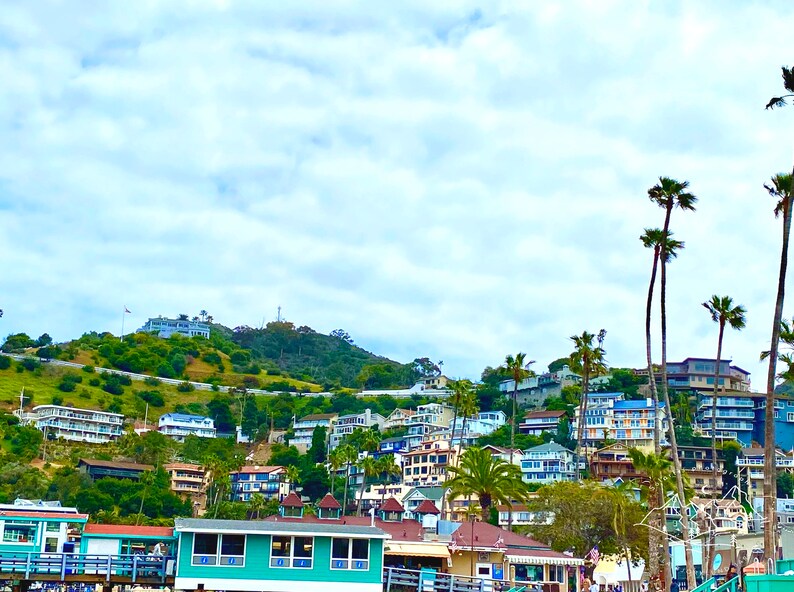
column 78, row 425
column 167, row 327
column 180, row 425
column 345, row 424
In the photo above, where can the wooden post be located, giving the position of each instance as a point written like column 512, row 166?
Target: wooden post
column 388, row 579
column 451, row 582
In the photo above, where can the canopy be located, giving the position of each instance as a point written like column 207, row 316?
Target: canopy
column 610, row 571
column 534, row 560
column 417, row 550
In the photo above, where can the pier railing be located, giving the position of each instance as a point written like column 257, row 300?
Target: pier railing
column 409, row 580
column 131, row 568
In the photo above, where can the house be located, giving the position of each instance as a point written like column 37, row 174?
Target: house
column 612, row 463
column 345, row 424
column 77, row 425
column 97, row 469
column 127, row 539
column 698, row 373
column 750, row 467
column 610, row 417
column 535, row 423
column 548, row 463
column 729, row 515
column 278, row 555
column 469, row 429
column 188, row 480
column 521, row 516
column 398, row 418
column 165, row 328
column 39, row 527
column 534, row 391
column 784, row 421
column 376, row 493
column 735, row 415
column 697, row 462
column 428, row 419
column 427, row 464
column 397, row 445
column 510, row 455
column 268, row 481
column 432, row 387
column 304, row 428
column 416, row 496
column 180, row 425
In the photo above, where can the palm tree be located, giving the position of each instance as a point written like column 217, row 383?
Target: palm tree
column 370, row 440
column 518, row 368
column 722, row 312
column 587, row 360
column 369, row 468
column 781, row 190
column 256, row 504
column 669, row 194
column 458, row 389
column 468, row 408
column 349, row 455
column 335, row 462
column 388, row 469
column 492, row 480
column 621, row 497
column 292, row 476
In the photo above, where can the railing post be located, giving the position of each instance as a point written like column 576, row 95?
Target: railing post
column 63, row 566
column 134, row 567
column 27, row 566
column 451, row 582
column 482, row 585
column 109, row 568
column 388, row 579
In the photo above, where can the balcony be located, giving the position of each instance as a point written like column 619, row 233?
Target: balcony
column 729, row 413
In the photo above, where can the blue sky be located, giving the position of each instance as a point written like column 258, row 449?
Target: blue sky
column 454, row 179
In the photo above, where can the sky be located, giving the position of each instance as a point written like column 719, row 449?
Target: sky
column 452, row 179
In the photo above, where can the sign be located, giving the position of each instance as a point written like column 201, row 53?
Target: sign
column 717, row 562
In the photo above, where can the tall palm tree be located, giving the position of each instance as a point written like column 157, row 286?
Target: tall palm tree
column 669, row 194
column 518, row 368
column 468, row 408
column 492, row 480
column 349, row 455
column 256, row 504
column 369, row 468
column 722, row 312
column 388, row 468
column 370, row 440
column 458, row 389
column 292, row 475
column 587, row 360
column 336, row 461
column 621, row 497
column 781, row 190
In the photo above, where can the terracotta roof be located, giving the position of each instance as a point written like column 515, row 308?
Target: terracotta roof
column 126, row 529
column 487, row 535
column 543, row 414
column 392, row 505
column 329, row 503
column 258, row 469
column 109, row 464
column 292, row 501
column 406, row 530
column 427, row 507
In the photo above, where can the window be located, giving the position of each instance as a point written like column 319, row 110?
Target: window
column 214, row 549
column 291, row 552
column 53, row 526
column 350, row 554
column 50, row 545
column 790, row 416
column 19, row 533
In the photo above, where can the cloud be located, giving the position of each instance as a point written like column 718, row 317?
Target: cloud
column 455, row 179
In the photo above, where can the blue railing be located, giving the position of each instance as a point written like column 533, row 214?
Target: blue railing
column 132, row 567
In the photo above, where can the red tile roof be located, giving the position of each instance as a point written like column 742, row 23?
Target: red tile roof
column 487, row 535
column 392, row 505
column 427, row 507
column 292, row 501
column 329, row 503
column 543, row 414
column 126, row 529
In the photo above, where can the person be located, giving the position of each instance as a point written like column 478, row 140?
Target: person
column 644, row 586
column 732, row 573
column 594, row 587
column 159, row 549
column 586, row 585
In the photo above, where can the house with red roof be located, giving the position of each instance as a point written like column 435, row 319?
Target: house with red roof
column 127, row 539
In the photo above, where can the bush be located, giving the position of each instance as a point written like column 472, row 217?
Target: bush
column 5, row 362
column 30, row 364
column 84, row 394
column 240, row 357
column 154, row 398
column 252, row 369
column 212, row 358
column 273, row 372
column 67, row 386
column 185, row 387
column 165, row 370
column 251, row 382
column 94, row 382
column 113, row 384
column 151, row 381
column 57, row 400
column 88, row 369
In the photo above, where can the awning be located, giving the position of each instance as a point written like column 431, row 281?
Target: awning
column 544, row 560
column 417, row 550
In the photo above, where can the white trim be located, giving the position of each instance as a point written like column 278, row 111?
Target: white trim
column 291, row 557
column 274, row 585
column 528, row 559
column 340, row 534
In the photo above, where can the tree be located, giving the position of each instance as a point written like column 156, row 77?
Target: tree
column 781, row 190
column 348, row 455
column 342, row 335
column 587, row 359
column 458, row 389
column 292, row 476
column 722, row 312
column 467, row 408
column 256, row 504
column 518, row 368
column 388, row 468
column 319, row 437
column 669, row 194
column 369, row 468
column 492, row 480
column 558, row 364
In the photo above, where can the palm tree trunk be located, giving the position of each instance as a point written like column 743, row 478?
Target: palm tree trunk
column 679, row 477
column 653, row 534
column 649, row 355
column 361, row 493
column 770, row 468
column 347, row 487
column 582, row 412
column 333, row 478
column 710, row 549
column 512, row 446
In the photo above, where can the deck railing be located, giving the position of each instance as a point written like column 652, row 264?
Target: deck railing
column 410, row 580
column 132, row 567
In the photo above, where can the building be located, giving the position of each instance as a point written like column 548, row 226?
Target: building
column 535, row 423
column 735, row 415
column 396, row 445
column 165, row 328
column 78, row 425
column 39, row 527
column 534, row 391
column 427, row 464
column 345, row 424
column 99, row 469
column 785, row 513
column 278, row 556
column 416, row 496
column 180, row 425
column 613, row 463
column 784, row 421
column 548, row 463
column 427, row 420
column 467, row 430
column 126, row 539
column 304, row 428
column 729, row 515
column 188, row 480
column 268, row 481
column 398, row 418
column 432, row 387
column 610, row 417
column 509, row 455
column 376, row 493
column 750, row 466
column 697, row 462
column 698, row 374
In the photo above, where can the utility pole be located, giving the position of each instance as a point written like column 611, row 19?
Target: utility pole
column 279, row 313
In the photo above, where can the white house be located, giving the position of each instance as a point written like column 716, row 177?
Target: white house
column 71, row 423
column 345, row 424
column 303, row 429
column 481, row 424
column 180, row 425
column 167, row 327
column 548, row 463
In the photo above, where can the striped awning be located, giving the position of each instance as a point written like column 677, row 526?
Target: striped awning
column 544, row 560
column 417, row 550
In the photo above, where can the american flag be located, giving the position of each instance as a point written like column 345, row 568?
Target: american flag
column 594, row 555
column 453, row 546
column 499, row 542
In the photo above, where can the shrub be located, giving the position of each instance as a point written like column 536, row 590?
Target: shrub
column 240, row 357
column 94, row 382
column 252, row 369
column 84, row 394
column 5, row 362
column 66, row 386
column 88, row 369
column 151, row 381
column 273, row 372
column 57, row 400
column 114, row 407
column 113, row 384
column 30, row 364
column 154, row 398
column 212, row 358
column 165, row 370
column 251, row 382
column 185, row 387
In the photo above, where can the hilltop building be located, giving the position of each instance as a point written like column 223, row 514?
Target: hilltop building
column 431, row 386
column 698, row 373
column 548, row 463
column 428, row 419
column 269, row 481
column 77, row 425
column 537, row 422
column 345, row 424
column 610, row 417
column 98, row 469
column 482, row 424
column 398, row 418
column 533, row 391
column 165, row 328
column 180, row 425
column 303, row 429
column 188, row 480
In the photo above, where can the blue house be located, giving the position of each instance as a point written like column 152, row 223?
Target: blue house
column 784, row 422
column 278, row 556
column 396, row 445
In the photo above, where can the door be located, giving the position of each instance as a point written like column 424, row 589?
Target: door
column 484, row 571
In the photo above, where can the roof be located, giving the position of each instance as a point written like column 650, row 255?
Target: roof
column 292, row 501
column 502, row 450
column 489, row 536
column 318, row 416
column 427, row 507
column 278, row 524
column 187, row 466
column 636, row 404
column 109, row 464
column 154, row 532
column 72, row 517
column 258, row 469
column 392, row 505
column 329, row 502
column 550, row 447
column 543, row 414
column 185, row 417
column 403, row 530
column 431, row 493
column 418, row 549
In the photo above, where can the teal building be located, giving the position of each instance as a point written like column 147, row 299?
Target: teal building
column 32, row 527
column 273, row 556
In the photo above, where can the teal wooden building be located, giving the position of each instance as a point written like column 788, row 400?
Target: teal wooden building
column 125, row 539
column 39, row 528
column 273, row 556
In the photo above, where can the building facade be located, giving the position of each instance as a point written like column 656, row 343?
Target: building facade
column 468, row 430
column 77, row 425
column 610, row 417
column 535, row 390
column 548, row 463
column 698, row 374
column 750, row 467
column 188, row 480
column 165, row 328
column 427, row 464
column 735, row 415
column 180, row 425
column 697, row 462
column 39, row 527
column 304, row 427
column 613, row 463
column 99, row 469
column 535, row 423
column 428, row 419
column 268, row 481
column 345, row 424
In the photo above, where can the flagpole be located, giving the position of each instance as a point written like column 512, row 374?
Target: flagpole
column 123, row 314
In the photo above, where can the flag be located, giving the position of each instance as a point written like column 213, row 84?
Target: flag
column 127, row 310
column 499, row 542
column 594, row 555
column 453, row 546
